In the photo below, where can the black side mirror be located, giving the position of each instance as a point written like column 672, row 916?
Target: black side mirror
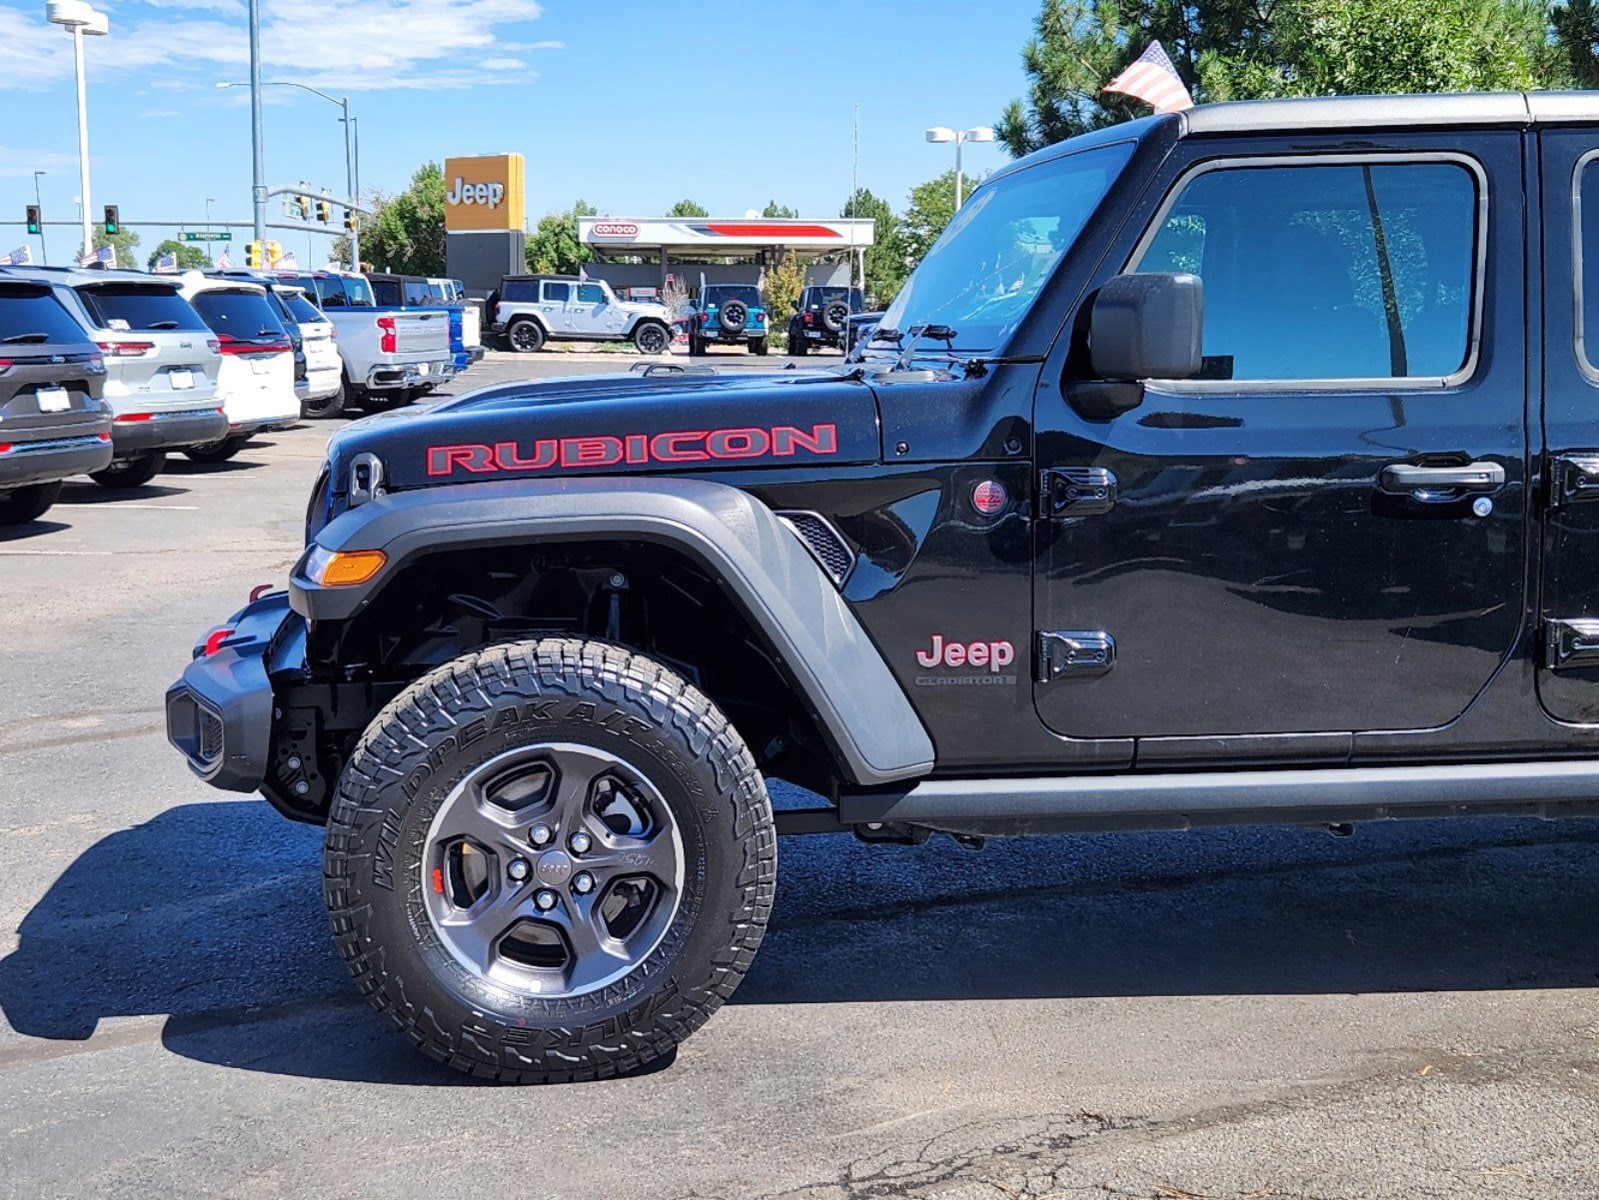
column 1141, row 327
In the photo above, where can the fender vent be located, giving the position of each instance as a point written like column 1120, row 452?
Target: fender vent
column 824, row 542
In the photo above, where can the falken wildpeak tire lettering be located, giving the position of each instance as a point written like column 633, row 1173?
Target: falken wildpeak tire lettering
column 463, row 714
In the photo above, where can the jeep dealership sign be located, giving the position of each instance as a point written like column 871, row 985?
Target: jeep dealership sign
column 485, row 193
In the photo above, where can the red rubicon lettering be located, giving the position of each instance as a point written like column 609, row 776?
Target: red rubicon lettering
column 607, row 450
column 590, row 451
column 442, row 460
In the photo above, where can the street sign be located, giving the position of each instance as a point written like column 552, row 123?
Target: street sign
column 207, row 236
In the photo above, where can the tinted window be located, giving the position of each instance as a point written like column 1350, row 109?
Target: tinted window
column 519, row 289
column 386, row 292
column 590, row 293
column 1328, row 271
column 143, row 309
column 982, row 274
column 26, row 313
column 358, row 292
column 243, row 316
column 301, row 309
column 820, row 296
column 416, row 292
column 1588, row 254
column 438, row 293
column 748, row 293
column 557, row 293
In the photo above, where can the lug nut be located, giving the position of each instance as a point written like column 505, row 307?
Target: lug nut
column 545, row 901
column 294, row 762
column 301, row 788
column 583, row 883
column 518, row 869
column 540, row 835
column 580, row 843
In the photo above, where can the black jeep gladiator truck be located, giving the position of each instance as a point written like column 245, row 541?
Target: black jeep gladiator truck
column 1231, row 466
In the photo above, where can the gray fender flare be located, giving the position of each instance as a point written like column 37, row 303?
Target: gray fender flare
column 767, row 572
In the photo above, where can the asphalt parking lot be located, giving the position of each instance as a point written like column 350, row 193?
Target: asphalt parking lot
column 1408, row 1012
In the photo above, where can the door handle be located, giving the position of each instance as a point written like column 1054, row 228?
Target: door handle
column 1442, row 483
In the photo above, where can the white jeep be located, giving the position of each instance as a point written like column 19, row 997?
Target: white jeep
column 529, row 310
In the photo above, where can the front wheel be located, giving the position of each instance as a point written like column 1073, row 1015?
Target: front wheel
column 25, row 504
column 651, row 338
column 525, row 337
column 549, row 861
column 217, row 452
column 132, row 472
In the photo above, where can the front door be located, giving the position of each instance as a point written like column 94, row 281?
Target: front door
column 1324, row 534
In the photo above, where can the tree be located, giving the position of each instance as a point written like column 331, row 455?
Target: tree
column 406, row 234
column 931, row 207
column 886, row 258
column 1576, row 30
column 554, row 248
column 1241, row 49
column 784, row 283
column 775, row 211
column 190, row 258
column 687, row 208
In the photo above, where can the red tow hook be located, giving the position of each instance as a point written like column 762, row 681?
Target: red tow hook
column 258, row 591
column 214, row 640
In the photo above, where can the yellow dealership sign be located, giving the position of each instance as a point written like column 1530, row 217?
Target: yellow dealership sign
column 487, row 192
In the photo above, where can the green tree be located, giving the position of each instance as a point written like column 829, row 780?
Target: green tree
column 126, row 242
column 1576, row 30
column 886, row 259
column 554, row 248
column 784, row 283
column 1242, row 49
column 406, row 234
column 190, row 258
column 931, row 207
column 688, row 208
column 775, row 211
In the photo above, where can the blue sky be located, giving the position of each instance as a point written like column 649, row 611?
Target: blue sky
column 630, row 104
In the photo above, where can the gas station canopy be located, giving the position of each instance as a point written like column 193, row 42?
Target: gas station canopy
column 688, row 237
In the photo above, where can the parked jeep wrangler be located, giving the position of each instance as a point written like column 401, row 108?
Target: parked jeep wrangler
column 529, row 310
column 1230, row 466
column 821, row 318
column 728, row 314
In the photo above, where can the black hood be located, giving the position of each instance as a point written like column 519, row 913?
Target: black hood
column 618, row 424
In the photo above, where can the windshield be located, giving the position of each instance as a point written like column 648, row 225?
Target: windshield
column 721, row 293
column 982, row 274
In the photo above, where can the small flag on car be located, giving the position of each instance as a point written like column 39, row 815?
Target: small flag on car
column 20, row 257
column 288, row 262
column 167, row 264
column 105, row 256
column 1153, row 78
column 224, row 261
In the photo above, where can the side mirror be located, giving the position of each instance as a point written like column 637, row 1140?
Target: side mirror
column 1141, row 327
column 794, row 304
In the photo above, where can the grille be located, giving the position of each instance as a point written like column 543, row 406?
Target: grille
column 827, row 547
column 210, row 736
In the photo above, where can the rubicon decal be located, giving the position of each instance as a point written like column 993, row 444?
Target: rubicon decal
column 996, row 656
column 634, row 449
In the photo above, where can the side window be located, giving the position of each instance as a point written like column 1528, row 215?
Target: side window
column 590, row 293
column 1587, row 199
column 1329, row 270
column 416, row 293
column 557, row 293
column 519, row 289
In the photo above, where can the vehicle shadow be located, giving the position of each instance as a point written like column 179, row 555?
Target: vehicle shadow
column 210, row 915
column 187, row 466
column 33, row 529
column 79, row 494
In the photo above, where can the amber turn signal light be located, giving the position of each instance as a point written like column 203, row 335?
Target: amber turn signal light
column 342, row 568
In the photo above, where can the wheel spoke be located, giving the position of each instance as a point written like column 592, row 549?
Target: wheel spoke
column 613, row 857
column 474, row 931
column 465, row 816
column 596, row 955
column 577, row 775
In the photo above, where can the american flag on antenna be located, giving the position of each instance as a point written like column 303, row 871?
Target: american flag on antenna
column 1153, row 78
column 105, row 256
column 288, row 262
column 20, row 257
column 167, row 264
column 224, row 261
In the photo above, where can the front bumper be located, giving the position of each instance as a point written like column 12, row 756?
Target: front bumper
column 169, row 431
column 386, row 378
column 219, row 714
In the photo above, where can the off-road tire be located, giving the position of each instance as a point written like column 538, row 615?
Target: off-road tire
column 759, row 346
column 24, row 504
column 696, row 346
column 461, row 715
column 217, row 452
column 835, row 316
column 733, row 316
column 124, row 473
column 651, row 337
column 798, row 344
column 525, row 336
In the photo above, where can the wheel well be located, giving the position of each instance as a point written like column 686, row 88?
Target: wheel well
column 646, row 597
column 535, row 318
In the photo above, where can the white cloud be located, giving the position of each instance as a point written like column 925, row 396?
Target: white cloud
column 16, row 163
column 155, row 114
column 503, row 64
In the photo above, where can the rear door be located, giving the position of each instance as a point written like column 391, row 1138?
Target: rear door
column 1326, row 533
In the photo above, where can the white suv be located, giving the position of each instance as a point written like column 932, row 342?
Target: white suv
column 530, row 310
column 256, row 382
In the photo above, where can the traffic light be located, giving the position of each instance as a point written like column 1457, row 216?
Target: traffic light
column 252, row 255
column 35, row 219
column 324, row 211
column 349, row 220
column 274, row 252
column 113, row 221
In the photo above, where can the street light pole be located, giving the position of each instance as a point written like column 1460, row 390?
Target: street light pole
column 978, row 133
column 38, row 200
column 83, row 138
column 258, row 187
column 350, row 183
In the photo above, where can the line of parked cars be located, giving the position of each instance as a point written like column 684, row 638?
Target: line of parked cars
column 106, row 373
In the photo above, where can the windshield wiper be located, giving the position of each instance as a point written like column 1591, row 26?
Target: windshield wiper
column 162, row 325
column 920, row 333
column 25, row 337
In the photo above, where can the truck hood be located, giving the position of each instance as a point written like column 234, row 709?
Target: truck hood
column 617, row 424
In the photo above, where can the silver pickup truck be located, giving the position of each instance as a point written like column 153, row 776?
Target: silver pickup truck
column 390, row 358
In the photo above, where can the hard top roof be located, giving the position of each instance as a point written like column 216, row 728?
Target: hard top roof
column 83, row 277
